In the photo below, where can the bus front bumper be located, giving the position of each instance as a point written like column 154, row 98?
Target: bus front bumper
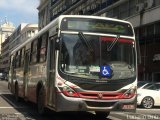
column 65, row 103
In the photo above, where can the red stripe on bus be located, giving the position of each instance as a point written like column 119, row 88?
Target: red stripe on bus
column 103, row 95
column 124, row 40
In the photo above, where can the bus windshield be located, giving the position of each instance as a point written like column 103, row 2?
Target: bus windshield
column 82, row 56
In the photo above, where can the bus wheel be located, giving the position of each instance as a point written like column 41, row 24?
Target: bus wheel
column 40, row 101
column 102, row 115
column 16, row 93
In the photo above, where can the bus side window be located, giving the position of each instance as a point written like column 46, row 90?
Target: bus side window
column 13, row 62
column 17, row 59
column 22, row 56
column 43, row 47
column 34, row 52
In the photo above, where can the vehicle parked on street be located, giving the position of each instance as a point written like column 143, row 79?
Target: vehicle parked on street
column 141, row 84
column 3, row 76
column 149, row 95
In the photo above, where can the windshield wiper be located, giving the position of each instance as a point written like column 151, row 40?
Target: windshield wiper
column 113, row 43
column 85, row 41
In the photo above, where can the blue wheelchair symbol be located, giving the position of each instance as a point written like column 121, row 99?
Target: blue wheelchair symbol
column 105, row 71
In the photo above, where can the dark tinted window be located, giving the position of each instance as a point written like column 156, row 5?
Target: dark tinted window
column 34, row 51
column 43, row 47
column 157, row 86
column 150, row 86
column 141, row 83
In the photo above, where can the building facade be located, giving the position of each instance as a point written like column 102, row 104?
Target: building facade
column 15, row 37
column 28, row 31
column 6, row 30
column 143, row 14
column 5, row 56
column 44, row 17
column 23, row 32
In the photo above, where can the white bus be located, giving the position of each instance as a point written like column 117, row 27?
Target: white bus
column 78, row 63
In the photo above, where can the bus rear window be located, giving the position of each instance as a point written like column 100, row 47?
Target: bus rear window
column 96, row 25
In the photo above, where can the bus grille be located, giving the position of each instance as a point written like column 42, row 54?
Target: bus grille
column 98, row 95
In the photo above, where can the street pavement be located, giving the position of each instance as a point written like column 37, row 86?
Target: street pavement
column 11, row 110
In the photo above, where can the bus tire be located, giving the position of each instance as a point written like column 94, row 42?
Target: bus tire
column 16, row 93
column 102, row 115
column 40, row 101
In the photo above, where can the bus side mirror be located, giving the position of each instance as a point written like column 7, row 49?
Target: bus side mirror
column 57, row 44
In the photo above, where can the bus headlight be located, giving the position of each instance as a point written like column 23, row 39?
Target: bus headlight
column 129, row 93
column 66, row 90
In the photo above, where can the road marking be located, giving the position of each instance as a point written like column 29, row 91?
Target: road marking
column 153, row 109
column 122, row 114
column 6, row 107
column 11, row 107
column 18, row 113
column 24, row 115
column 4, row 93
column 113, row 118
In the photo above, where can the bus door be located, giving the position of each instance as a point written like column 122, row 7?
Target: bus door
column 26, row 70
column 51, row 71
